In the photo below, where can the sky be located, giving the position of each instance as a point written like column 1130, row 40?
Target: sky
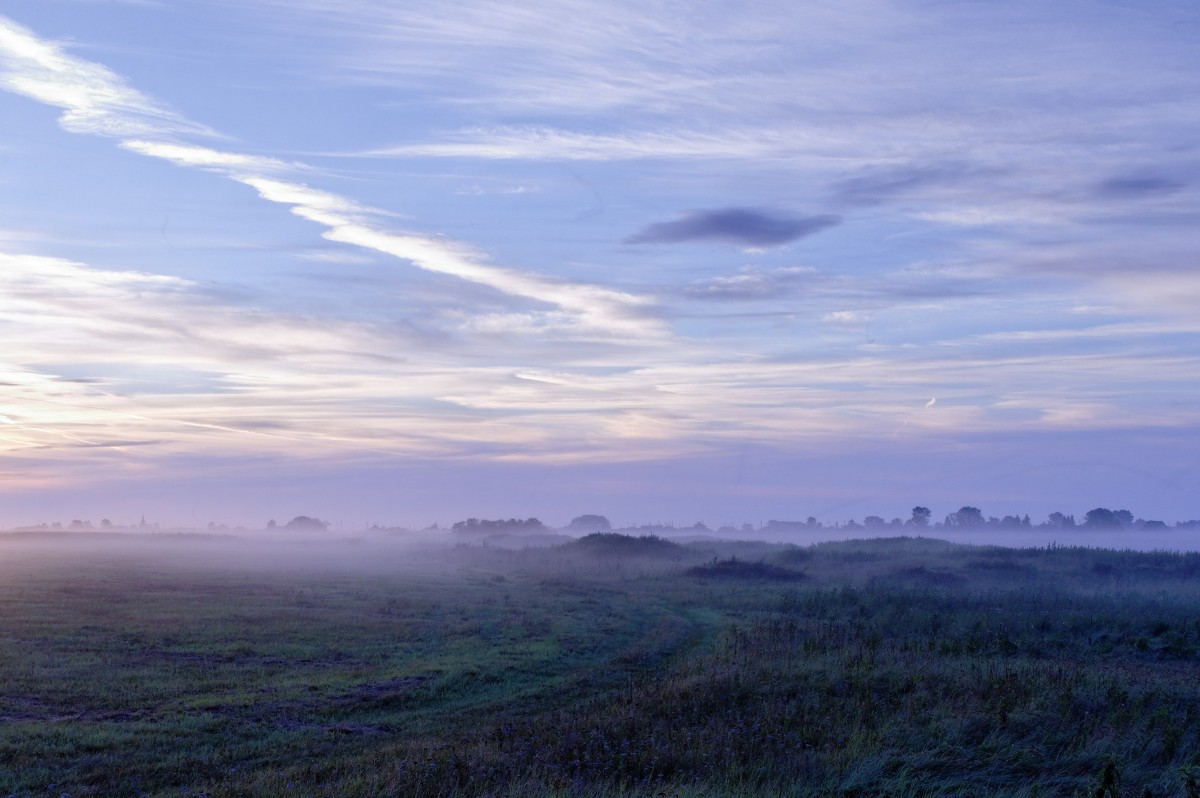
column 410, row 262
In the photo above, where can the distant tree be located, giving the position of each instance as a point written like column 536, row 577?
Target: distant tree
column 271, row 524
column 302, row 523
column 920, row 516
column 509, row 526
column 965, row 516
column 1060, row 521
column 105, row 523
column 589, row 523
column 1100, row 517
column 874, row 522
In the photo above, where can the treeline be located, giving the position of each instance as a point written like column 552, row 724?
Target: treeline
column 511, row 525
column 920, row 518
column 972, row 517
column 966, row 517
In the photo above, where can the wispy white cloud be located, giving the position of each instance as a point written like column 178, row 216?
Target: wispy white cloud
column 210, row 159
column 169, row 363
column 337, row 256
column 98, row 101
column 94, row 99
column 845, row 317
column 156, row 350
column 578, row 55
column 86, row 315
column 477, row 190
column 544, row 143
column 149, row 3
column 10, row 237
column 590, row 311
column 923, row 111
column 751, row 283
column 812, row 400
column 169, row 368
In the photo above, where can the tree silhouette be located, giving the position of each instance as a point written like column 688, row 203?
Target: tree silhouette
column 966, row 516
column 589, row 523
column 1103, row 517
column 305, row 524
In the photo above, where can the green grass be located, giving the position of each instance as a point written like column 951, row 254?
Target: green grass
column 894, row 667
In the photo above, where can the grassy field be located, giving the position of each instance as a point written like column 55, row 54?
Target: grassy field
column 175, row 665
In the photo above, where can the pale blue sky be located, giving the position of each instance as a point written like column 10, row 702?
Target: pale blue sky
column 414, row 261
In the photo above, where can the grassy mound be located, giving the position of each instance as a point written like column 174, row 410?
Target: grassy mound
column 734, row 568
column 616, row 544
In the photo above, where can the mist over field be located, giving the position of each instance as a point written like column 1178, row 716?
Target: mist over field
column 500, row 657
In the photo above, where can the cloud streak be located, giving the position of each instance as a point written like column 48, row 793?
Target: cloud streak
column 554, row 144
column 97, row 101
column 750, row 284
column 94, row 99
column 222, row 378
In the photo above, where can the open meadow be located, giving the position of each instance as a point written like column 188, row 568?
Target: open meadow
column 191, row 665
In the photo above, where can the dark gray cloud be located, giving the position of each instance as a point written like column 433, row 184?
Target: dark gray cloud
column 748, row 227
column 881, row 184
column 1134, row 186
